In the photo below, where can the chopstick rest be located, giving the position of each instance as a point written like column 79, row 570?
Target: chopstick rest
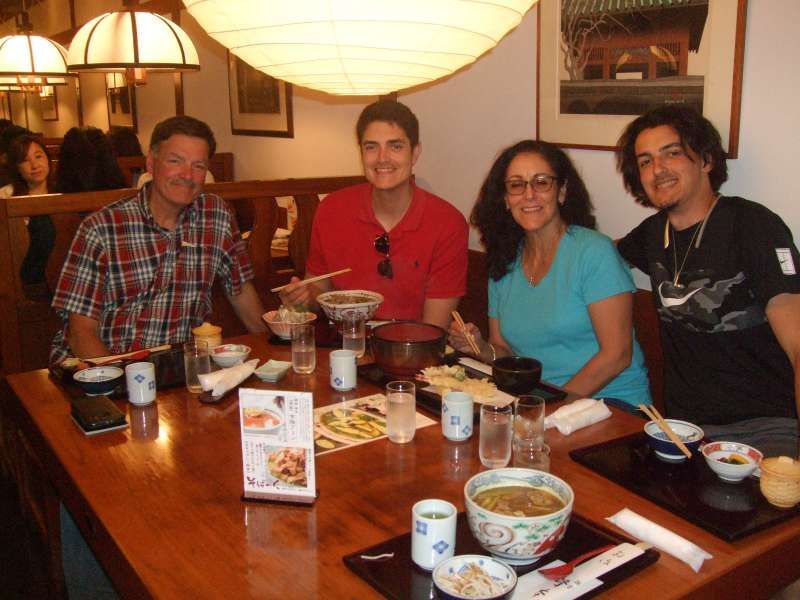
column 661, row 537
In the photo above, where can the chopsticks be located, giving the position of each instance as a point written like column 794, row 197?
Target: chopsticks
column 470, row 340
column 655, row 416
column 136, row 354
column 313, row 279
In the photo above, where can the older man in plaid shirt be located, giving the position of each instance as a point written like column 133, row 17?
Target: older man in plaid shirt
column 140, row 271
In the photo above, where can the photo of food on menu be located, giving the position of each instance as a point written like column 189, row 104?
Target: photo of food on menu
column 277, row 445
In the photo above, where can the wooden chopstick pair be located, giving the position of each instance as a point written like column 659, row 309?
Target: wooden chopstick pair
column 655, row 416
column 313, row 279
column 470, row 340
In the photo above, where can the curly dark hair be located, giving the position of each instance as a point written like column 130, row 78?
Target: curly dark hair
column 695, row 132
column 500, row 233
column 389, row 111
column 17, row 153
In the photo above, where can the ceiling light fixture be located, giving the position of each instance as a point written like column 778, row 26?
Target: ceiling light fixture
column 358, row 47
column 29, row 60
column 130, row 41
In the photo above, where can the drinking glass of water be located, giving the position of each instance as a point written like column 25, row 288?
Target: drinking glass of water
column 353, row 332
column 304, row 352
column 196, row 361
column 495, row 438
column 401, row 411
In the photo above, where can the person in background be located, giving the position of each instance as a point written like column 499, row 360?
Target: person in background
column 558, row 290
column 724, row 276
column 124, row 141
column 87, row 163
column 399, row 240
column 7, row 135
column 149, row 282
column 29, row 166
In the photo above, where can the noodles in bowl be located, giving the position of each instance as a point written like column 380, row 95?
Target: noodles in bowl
column 518, row 515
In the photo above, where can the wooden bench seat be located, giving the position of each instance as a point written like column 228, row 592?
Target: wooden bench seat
column 28, row 324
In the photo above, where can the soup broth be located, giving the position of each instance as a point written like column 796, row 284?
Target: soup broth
column 519, row 501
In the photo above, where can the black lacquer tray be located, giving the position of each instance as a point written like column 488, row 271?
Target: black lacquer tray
column 689, row 489
column 433, row 401
column 399, row 578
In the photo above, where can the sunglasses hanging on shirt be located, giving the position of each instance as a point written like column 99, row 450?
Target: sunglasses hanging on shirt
column 382, row 246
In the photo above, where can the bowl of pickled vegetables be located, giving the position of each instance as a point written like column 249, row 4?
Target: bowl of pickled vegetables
column 731, row 461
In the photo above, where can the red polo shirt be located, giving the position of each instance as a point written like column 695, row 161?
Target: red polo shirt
column 428, row 249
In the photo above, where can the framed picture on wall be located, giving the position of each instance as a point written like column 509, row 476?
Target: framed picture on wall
column 48, row 98
column 260, row 104
column 5, row 106
column 602, row 64
column 121, row 101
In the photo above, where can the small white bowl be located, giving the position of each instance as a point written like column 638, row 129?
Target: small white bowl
column 714, row 451
column 229, row 355
column 500, row 572
column 99, row 380
column 283, row 329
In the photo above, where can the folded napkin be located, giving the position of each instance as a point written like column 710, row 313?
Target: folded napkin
column 576, row 415
column 220, row 382
column 661, row 537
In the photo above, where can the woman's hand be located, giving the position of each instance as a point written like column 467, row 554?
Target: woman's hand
column 295, row 295
column 458, row 339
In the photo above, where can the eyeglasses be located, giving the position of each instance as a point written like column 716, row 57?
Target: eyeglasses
column 382, row 246
column 539, row 183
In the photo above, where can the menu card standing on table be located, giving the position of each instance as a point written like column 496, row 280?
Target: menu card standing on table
column 277, row 445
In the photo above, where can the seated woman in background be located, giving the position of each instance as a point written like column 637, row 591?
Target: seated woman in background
column 558, row 291
column 87, row 163
column 29, row 169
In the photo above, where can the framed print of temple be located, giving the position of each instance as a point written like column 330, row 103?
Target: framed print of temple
column 604, row 62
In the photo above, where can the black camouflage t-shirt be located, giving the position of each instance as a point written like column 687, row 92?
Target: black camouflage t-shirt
column 722, row 362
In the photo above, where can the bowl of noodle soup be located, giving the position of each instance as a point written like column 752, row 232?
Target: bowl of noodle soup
column 518, row 515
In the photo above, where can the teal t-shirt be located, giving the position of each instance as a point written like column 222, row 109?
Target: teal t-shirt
column 550, row 322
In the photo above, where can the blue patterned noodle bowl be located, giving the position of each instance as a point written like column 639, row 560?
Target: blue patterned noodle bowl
column 518, row 540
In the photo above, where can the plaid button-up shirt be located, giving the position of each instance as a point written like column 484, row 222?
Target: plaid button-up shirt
column 144, row 284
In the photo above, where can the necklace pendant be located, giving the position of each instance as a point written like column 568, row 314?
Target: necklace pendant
column 677, row 285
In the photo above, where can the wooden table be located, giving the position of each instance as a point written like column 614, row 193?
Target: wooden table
column 164, row 516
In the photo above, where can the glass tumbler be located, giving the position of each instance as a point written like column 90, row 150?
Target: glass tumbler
column 304, row 350
column 353, row 337
column 401, row 413
column 196, row 361
column 494, row 447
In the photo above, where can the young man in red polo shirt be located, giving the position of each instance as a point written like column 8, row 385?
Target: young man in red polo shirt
column 398, row 239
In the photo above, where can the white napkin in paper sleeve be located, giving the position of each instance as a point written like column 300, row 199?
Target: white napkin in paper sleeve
column 576, row 415
column 223, row 380
column 661, row 537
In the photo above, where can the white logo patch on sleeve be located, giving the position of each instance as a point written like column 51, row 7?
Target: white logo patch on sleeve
column 786, row 261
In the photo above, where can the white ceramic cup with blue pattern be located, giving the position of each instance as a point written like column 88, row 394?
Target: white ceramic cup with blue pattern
column 433, row 532
column 140, row 378
column 457, row 416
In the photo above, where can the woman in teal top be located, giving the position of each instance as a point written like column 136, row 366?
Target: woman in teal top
column 558, row 290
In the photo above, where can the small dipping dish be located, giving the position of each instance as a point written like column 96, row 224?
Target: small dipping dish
column 450, row 573
column 731, row 461
column 228, row 355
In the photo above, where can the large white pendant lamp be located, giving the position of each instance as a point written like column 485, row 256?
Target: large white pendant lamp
column 359, row 47
column 32, row 59
column 131, row 39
